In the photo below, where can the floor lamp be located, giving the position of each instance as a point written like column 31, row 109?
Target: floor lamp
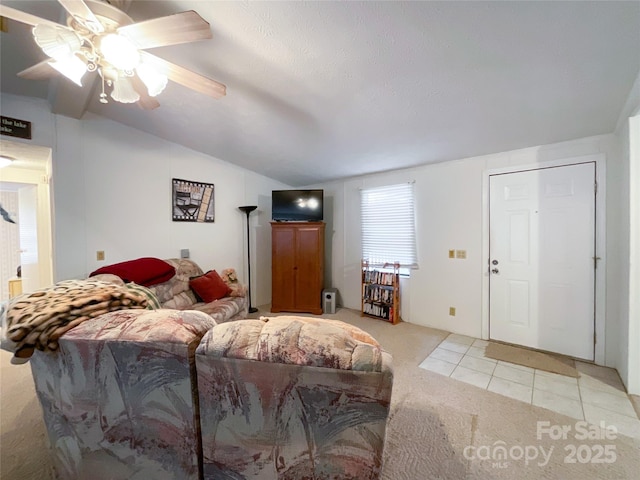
column 248, row 209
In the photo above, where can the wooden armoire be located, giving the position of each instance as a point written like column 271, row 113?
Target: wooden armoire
column 297, row 266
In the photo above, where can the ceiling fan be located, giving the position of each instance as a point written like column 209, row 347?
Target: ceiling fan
column 100, row 39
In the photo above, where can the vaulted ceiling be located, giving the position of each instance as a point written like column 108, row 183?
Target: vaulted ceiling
column 321, row 90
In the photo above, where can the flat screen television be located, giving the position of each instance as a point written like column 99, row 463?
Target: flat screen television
column 297, row 205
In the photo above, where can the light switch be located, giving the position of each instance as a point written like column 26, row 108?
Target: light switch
column 100, row 255
column 452, row 311
column 452, row 254
column 461, row 254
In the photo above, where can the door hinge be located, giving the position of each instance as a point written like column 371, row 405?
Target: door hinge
column 595, row 187
column 594, row 338
column 45, row 179
column 595, row 262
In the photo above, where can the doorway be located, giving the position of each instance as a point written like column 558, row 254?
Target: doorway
column 25, row 192
column 542, row 258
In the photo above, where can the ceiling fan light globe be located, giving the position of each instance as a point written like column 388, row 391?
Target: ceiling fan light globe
column 119, row 51
column 71, row 67
column 154, row 81
column 123, row 91
column 56, row 42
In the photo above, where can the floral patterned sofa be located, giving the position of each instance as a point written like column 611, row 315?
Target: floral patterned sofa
column 171, row 395
column 176, row 294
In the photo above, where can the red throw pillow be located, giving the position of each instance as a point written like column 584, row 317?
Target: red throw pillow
column 144, row 271
column 209, row 287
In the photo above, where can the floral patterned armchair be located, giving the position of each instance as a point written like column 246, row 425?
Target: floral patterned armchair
column 291, row 398
column 119, row 396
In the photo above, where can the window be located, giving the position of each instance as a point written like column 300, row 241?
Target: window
column 388, row 225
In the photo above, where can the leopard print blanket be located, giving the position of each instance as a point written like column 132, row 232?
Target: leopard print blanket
column 37, row 320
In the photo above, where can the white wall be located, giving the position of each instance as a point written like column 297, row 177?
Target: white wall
column 449, row 203
column 112, row 192
column 632, row 380
column 623, row 291
column 618, row 251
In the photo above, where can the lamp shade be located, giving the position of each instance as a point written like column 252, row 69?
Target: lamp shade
column 123, row 91
column 154, row 81
column 57, row 42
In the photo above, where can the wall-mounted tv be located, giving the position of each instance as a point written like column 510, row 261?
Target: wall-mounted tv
column 297, row 205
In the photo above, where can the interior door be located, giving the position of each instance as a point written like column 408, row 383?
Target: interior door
column 28, row 225
column 542, row 249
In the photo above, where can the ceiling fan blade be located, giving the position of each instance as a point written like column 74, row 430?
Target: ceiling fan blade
column 185, row 77
column 67, row 99
column 146, row 101
column 82, row 13
column 39, row 71
column 170, row 30
column 24, row 17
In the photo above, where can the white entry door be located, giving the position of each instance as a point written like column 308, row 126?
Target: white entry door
column 542, row 249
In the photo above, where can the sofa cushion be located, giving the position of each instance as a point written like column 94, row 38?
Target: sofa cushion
column 144, row 271
column 175, row 292
column 224, row 310
column 160, row 330
column 209, row 287
column 295, row 340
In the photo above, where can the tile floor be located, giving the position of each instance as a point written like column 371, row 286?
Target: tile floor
column 596, row 395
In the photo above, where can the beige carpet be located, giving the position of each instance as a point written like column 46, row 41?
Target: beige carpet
column 435, row 418
column 434, row 421
column 531, row 358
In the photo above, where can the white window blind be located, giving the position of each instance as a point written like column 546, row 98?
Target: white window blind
column 388, row 225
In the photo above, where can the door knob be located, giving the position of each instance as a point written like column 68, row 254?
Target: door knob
column 494, row 262
column 495, row 270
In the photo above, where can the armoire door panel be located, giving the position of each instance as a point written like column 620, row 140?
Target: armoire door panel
column 308, row 277
column 282, row 279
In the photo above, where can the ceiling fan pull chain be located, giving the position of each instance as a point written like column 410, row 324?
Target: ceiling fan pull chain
column 103, row 96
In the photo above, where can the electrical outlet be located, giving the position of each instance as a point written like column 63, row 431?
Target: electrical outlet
column 461, row 254
column 452, row 254
column 100, row 255
column 184, row 253
column 452, row 311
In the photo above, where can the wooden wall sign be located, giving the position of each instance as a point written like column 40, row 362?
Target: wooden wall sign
column 14, row 127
